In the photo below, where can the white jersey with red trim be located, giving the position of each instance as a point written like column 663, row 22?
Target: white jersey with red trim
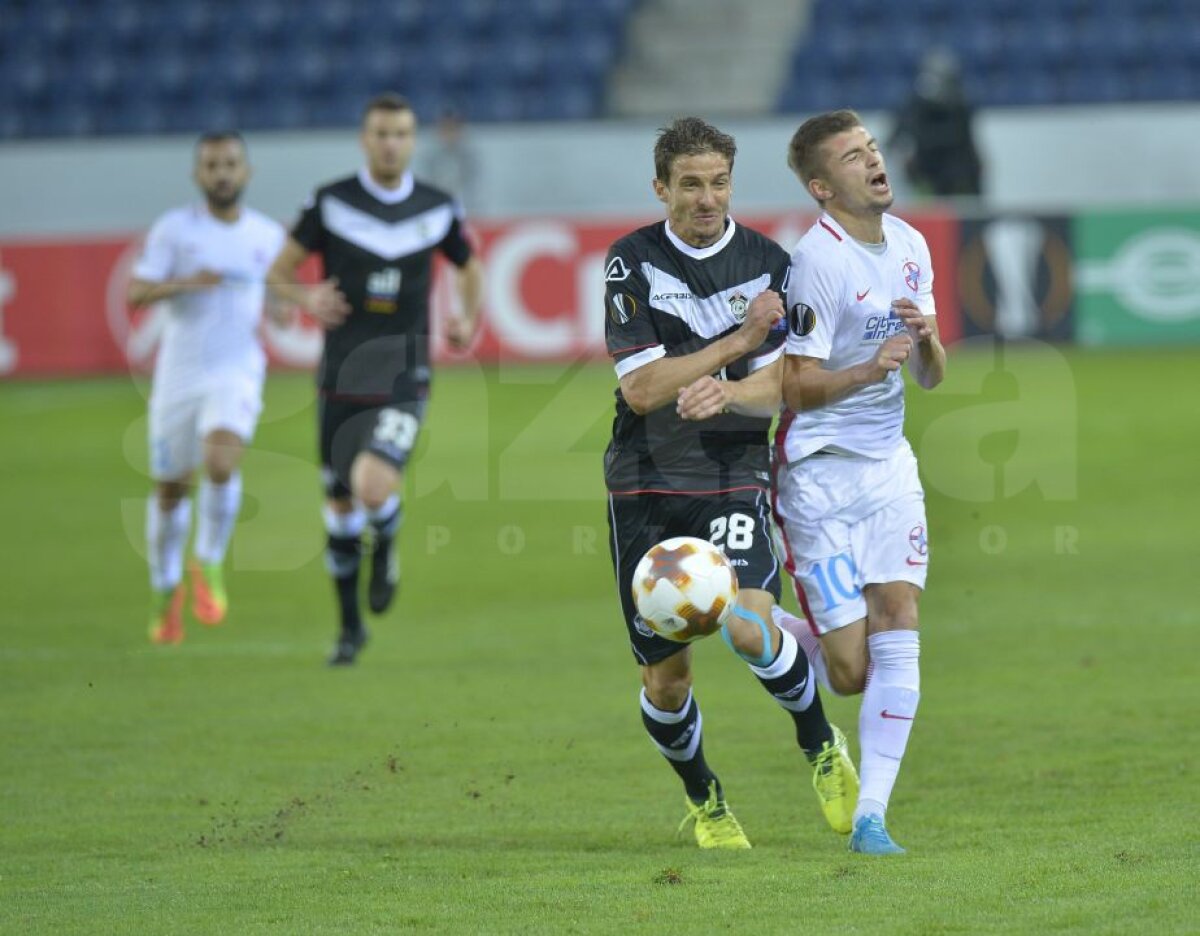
column 839, row 311
column 213, row 332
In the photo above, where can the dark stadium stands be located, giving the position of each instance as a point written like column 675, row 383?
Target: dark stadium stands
column 863, row 53
column 98, row 67
column 87, row 67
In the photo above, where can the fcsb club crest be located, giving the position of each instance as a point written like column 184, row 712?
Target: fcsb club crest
column 738, row 305
column 918, row 540
column 912, row 275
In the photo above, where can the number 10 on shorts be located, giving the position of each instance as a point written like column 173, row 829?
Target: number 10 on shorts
column 835, row 577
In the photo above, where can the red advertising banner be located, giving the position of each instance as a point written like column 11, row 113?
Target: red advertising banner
column 63, row 310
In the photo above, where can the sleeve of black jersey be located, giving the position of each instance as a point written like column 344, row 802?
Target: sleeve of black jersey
column 629, row 328
column 780, row 265
column 455, row 246
column 309, row 229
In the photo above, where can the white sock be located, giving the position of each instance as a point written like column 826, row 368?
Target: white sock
column 217, row 509
column 809, row 643
column 885, row 720
column 385, row 513
column 166, row 535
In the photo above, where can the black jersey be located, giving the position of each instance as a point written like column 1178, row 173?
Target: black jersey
column 382, row 255
column 666, row 299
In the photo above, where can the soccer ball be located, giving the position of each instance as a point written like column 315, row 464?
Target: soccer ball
column 684, row 588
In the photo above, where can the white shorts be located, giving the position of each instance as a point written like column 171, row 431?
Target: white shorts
column 845, row 522
column 179, row 423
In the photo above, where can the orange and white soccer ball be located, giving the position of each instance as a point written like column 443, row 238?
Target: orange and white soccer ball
column 684, row 588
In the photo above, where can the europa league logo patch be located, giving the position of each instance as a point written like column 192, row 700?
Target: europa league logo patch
column 802, row 319
column 624, row 307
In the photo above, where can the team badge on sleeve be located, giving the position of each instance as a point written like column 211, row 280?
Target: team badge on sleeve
column 802, row 319
column 912, row 275
column 617, row 271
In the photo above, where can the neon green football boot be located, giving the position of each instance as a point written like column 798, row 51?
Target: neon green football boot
column 714, row 824
column 836, row 782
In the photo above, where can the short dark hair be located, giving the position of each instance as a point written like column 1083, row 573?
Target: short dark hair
column 387, row 101
column 689, row 136
column 804, row 157
column 218, row 136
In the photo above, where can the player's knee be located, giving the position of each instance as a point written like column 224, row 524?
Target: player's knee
column 373, row 485
column 220, row 470
column 893, row 608
column 373, row 498
column 170, row 493
column 745, row 636
column 847, row 677
column 901, row 616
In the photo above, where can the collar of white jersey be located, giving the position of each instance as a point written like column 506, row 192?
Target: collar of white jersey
column 827, row 221
column 389, row 196
column 202, row 210
column 701, row 253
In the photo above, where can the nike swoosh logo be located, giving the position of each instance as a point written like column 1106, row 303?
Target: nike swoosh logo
column 912, row 561
column 862, row 295
column 886, row 714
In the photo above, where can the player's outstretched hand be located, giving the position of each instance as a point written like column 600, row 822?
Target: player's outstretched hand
column 914, row 319
column 702, row 399
column 762, row 314
column 459, row 332
column 891, row 355
column 327, row 303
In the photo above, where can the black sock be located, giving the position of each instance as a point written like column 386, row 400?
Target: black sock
column 342, row 559
column 677, row 736
column 790, row 680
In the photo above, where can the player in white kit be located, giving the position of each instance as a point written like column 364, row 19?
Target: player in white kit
column 848, row 500
column 207, row 264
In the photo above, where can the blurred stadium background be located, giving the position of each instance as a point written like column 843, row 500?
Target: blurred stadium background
column 1088, row 122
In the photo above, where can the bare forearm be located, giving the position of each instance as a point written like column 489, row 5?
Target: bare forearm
column 814, row 387
column 145, row 292
column 657, row 384
column 287, row 291
column 281, row 278
column 928, row 364
column 470, row 289
column 757, row 395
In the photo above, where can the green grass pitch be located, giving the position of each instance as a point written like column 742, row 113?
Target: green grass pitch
column 484, row 769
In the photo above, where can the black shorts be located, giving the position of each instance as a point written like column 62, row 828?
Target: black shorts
column 347, row 427
column 738, row 522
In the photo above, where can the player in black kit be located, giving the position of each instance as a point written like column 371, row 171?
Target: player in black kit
column 376, row 233
column 695, row 326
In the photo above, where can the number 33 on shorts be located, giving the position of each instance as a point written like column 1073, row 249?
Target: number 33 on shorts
column 395, row 432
